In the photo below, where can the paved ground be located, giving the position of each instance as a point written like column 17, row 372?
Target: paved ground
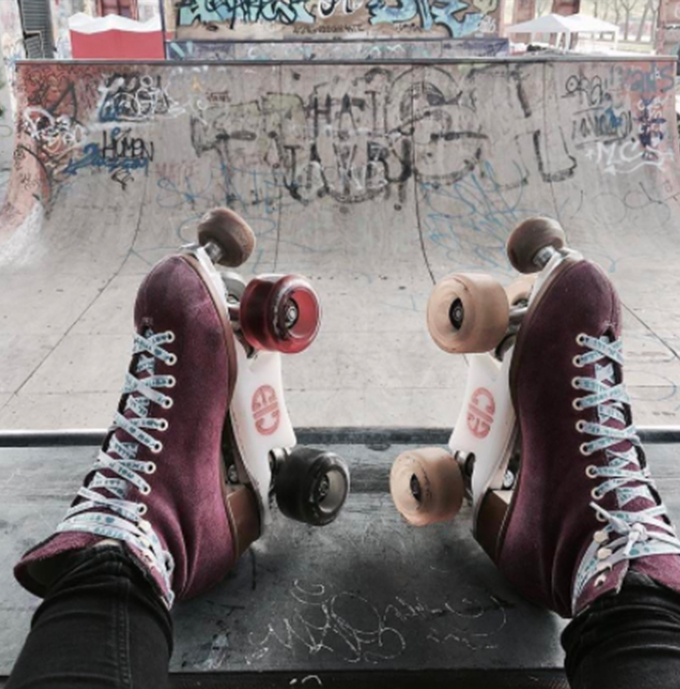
column 374, row 180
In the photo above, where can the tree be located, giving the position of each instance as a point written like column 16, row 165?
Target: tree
column 653, row 7
column 628, row 7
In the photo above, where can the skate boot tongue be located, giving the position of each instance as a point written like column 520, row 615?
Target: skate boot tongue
column 636, row 524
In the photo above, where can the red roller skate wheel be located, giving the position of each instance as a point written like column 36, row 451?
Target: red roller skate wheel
column 280, row 313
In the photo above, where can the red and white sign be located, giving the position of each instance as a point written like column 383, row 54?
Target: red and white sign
column 115, row 38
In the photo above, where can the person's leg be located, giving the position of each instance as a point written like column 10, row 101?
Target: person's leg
column 629, row 640
column 101, row 626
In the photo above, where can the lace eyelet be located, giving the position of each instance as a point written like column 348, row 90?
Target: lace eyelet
column 576, row 383
column 172, row 360
column 172, row 381
column 601, row 518
column 170, row 336
column 600, row 580
column 576, row 403
column 157, row 447
column 580, row 339
column 591, row 471
column 164, row 425
column 142, row 509
column 580, row 425
column 151, row 468
column 583, row 449
column 145, row 490
column 167, row 403
column 595, row 494
column 577, row 361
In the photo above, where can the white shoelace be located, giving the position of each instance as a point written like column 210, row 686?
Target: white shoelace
column 626, row 535
column 117, row 517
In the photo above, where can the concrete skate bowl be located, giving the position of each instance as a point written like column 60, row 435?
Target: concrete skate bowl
column 374, row 180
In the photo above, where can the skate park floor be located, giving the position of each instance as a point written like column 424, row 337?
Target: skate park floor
column 367, row 601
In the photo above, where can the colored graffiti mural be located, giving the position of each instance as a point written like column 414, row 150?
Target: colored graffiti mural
column 206, row 19
column 458, row 18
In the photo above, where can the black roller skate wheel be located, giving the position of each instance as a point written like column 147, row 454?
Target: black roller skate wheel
column 311, row 486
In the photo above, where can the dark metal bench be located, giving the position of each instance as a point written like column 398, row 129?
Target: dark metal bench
column 366, row 601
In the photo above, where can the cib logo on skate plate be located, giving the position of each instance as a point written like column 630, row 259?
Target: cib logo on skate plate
column 480, row 413
column 265, row 408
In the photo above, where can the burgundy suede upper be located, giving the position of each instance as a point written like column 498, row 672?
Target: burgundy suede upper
column 551, row 522
column 186, row 506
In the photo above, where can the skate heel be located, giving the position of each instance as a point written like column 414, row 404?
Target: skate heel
column 244, row 517
column 490, row 519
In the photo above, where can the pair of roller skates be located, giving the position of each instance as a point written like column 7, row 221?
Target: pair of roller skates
column 544, row 447
column 202, row 443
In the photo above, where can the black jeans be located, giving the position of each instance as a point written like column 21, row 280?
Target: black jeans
column 626, row 641
column 102, row 626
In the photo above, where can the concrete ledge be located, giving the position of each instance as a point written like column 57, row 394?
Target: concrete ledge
column 323, row 435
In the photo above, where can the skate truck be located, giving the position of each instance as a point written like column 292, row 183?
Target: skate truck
column 269, row 316
column 473, row 314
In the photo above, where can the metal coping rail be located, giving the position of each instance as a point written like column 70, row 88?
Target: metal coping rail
column 323, row 435
column 414, row 61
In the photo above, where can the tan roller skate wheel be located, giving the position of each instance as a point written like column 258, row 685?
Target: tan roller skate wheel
column 426, row 486
column 520, row 290
column 529, row 237
column 467, row 313
column 230, row 232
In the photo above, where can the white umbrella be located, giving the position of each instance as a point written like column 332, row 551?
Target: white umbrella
column 582, row 23
column 560, row 24
column 550, row 23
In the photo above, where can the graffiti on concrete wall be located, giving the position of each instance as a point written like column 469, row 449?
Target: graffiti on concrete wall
column 347, row 18
column 135, row 98
column 367, row 139
column 458, row 17
column 618, row 119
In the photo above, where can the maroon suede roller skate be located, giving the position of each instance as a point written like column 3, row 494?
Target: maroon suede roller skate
column 545, row 447
column 179, row 481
